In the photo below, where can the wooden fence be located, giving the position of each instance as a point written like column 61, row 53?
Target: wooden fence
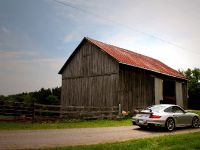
column 36, row 111
column 15, row 110
column 89, row 112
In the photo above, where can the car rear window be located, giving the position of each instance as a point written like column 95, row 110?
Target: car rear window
column 169, row 110
column 155, row 108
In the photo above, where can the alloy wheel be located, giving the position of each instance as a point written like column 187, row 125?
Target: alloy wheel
column 170, row 124
column 195, row 122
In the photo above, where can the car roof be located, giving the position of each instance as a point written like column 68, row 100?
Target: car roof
column 165, row 105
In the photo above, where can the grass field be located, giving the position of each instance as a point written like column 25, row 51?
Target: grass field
column 65, row 124
column 195, row 111
column 189, row 141
column 70, row 124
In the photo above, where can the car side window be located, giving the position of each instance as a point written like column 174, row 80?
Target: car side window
column 168, row 110
column 176, row 109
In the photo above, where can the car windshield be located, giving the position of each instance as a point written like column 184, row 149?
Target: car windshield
column 155, row 108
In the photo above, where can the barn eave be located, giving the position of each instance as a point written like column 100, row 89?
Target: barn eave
column 153, row 71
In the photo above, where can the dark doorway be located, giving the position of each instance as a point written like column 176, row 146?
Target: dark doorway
column 169, row 94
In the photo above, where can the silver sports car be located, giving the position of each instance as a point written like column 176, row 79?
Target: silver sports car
column 165, row 115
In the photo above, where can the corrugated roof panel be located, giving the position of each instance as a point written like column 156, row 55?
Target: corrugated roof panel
column 134, row 59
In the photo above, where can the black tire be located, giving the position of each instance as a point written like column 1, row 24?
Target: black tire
column 143, row 127
column 170, row 124
column 195, row 122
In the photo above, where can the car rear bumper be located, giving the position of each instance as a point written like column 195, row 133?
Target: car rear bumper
column 149, row 122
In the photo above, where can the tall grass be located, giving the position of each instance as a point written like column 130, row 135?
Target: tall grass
column 195, row 111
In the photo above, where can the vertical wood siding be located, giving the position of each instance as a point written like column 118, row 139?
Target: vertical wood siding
column 90, row 79
column 185, row 95
column 136, row 88
column 90, row 61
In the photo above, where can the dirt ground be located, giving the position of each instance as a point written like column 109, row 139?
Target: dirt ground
column 33, row 139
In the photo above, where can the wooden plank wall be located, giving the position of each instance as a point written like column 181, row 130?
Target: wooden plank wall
column 90, row 61
column 90, row 79
column 136, row 88
column 185, row 95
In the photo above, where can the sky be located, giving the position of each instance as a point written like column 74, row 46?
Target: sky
column 37, row 36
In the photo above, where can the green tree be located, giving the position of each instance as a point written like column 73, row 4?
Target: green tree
column 43, row 96
column 57, row 92
column 53, row 100
column 193, row 76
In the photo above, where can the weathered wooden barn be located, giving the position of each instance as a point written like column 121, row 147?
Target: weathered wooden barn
column 103, row 75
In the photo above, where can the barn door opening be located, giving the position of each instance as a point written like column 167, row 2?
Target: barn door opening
column 169, row 92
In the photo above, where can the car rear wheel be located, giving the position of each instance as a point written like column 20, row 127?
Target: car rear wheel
column 170, row 124
column 195, row 122
column 142, row 127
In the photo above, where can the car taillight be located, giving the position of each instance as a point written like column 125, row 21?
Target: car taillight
column 154, row 116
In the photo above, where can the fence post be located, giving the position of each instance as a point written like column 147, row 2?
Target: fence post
column 33, row 117
column 120, row 109
column 61, row 111
column 14, row 111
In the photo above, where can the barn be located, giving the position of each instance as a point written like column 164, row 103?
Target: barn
column 102, row 75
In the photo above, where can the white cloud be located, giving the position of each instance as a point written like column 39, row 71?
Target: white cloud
column 17, row 41
column 54, row 63
column 23, row 71
column 5, row 30
column 123, row 40
column 71, row 37
column 29, row 75
column 14, row 54
column 171, row 55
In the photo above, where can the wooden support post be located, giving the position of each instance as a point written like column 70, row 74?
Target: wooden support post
column 120, row 109
column 33, row 113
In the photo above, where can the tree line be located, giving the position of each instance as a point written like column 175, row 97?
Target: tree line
column 43, row 96
column 193, row 76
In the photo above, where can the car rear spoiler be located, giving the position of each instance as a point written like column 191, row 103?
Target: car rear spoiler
column 136, row 111
column 145, row 112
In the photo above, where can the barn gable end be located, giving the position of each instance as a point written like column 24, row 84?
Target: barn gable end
column 90, row 78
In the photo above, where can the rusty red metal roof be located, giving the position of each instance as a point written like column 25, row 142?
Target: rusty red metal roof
column 131, row 58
